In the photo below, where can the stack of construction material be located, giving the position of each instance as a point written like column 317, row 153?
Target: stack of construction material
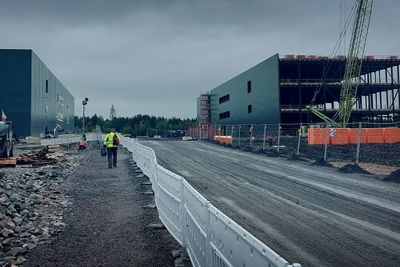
column 45, row 156
column 7, row 162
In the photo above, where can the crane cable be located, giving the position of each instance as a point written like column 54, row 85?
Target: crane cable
column 342, row 35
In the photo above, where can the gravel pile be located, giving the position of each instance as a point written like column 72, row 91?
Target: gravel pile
column 353, row 168
column 31, row 208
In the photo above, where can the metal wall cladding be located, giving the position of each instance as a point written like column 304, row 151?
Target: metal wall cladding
column 15, row 85
column 52, row 104
column 263, row 97
column 25, row 99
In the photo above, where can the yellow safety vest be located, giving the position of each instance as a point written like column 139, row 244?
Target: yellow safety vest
column 108, row 141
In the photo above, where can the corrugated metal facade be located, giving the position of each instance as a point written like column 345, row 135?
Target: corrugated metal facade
column 31, row 96
column 250, row 97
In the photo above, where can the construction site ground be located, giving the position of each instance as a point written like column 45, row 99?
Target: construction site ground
column 313, row 215
column 377, row 154
column 98, row 215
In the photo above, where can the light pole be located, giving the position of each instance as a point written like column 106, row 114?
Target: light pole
column 84, row 103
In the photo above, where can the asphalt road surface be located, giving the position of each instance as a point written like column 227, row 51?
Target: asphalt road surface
column 312, row 215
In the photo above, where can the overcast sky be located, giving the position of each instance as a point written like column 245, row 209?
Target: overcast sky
column 156, row 57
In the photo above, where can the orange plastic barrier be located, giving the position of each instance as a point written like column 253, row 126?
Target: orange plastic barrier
column 391, row 135
column 342, row 136
column 375, row 135
column 316, row 136
column 353, row 136
column 338, row 136
column 222, row 139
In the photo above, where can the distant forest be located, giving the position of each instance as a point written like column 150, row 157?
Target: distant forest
column 139, row 125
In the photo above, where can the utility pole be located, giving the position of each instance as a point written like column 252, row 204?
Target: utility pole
column 84, row 103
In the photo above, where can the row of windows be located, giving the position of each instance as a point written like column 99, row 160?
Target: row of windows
column 227, row 114
column 225, row 98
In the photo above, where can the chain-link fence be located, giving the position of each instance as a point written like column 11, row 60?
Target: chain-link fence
column 360, row 142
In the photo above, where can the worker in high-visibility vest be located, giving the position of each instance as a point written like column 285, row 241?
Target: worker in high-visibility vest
column 111, row 142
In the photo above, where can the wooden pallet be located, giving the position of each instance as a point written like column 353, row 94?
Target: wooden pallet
column 8, row 162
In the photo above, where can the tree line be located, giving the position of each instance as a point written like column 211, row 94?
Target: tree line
column 139, row 125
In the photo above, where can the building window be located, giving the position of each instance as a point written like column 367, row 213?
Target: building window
column 249, row 109
column 224, row 115
column 224, row 99
column 248, row 87
column 47, row 86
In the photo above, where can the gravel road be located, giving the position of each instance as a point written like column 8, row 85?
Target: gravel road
column 308, row 214
column 106, row 224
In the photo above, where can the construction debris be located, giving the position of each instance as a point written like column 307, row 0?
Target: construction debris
column 8, row 162
column 32, row 202
column 46, row 156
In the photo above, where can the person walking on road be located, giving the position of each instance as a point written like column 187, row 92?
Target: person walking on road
column 111, row 142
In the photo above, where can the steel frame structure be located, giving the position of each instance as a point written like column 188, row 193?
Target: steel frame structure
column 377, row 98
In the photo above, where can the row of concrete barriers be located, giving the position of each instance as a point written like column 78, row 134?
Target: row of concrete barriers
column 209, row 236
column 70, row 138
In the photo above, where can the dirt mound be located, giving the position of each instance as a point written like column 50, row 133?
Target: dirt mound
column 393, row 177
column 322, row 162
column 352, row 168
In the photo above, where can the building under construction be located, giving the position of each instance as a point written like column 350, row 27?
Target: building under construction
column 278, row 90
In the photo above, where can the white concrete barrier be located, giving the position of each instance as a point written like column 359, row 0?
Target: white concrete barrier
column 209, row 236
column 69, row 139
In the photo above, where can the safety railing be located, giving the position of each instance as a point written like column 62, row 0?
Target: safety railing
column 209, row 236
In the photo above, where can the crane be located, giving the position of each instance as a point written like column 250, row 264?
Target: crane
column 351, row 79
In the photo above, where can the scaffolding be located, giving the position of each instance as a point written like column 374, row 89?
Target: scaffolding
column 205, row 109
column 377, row 99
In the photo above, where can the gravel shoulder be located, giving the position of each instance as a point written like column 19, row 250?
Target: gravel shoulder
column 103, row 222
column 313, row 215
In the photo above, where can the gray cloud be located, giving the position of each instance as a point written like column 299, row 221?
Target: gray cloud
column 155, row 57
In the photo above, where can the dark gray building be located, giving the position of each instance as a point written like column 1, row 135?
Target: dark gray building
column 250, row 97
column 278, row 90
column 31, row 96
